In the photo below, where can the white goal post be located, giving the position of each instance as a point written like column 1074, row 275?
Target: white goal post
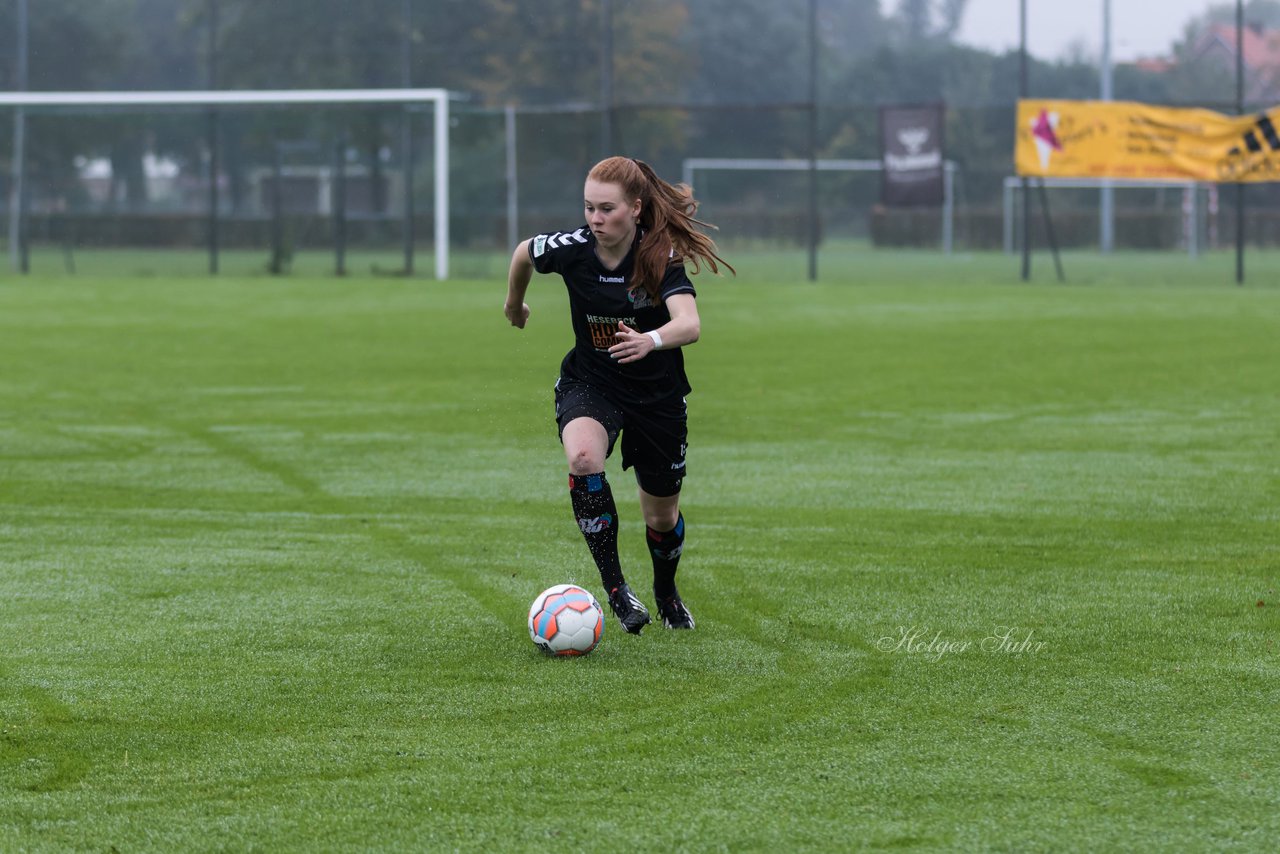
column 439, row 98
column 1190, row 204
column 693, row 164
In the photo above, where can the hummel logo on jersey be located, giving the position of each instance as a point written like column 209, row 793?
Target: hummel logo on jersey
column 613, row 280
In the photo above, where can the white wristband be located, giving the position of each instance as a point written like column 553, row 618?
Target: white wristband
column 657, row 339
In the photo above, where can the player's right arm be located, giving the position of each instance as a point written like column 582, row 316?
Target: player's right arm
column 515, row 308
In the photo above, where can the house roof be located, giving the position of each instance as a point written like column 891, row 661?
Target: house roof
column 1154, row 65
column 1261, row 48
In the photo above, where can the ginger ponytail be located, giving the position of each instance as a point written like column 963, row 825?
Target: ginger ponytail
column 670, row 231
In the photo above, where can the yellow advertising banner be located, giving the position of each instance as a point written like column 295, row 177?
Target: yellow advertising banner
column 1123, row 139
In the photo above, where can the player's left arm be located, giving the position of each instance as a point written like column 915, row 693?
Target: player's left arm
column 683, row 328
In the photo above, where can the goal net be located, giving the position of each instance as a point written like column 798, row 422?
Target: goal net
column 246, row 174
column 1150, row 214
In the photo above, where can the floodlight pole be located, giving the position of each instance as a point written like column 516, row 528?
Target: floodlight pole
column 813, row 140
column 277, row 210
column 1107, row 231
column 17, row 192
column 513, row 198
column 406, row 134
column 339, row 190
column 442, row 186
column 214, row 165
column 1240, row 111
column 1026, row 184
column 606, row 78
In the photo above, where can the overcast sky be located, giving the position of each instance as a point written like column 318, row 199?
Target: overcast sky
column 1139, row 28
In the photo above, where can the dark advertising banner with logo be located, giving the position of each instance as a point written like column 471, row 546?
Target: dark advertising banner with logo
column 911, row 155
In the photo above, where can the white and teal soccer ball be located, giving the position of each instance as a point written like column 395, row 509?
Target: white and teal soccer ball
column 566, row 620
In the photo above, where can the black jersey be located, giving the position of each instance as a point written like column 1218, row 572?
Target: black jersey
column 598, row 299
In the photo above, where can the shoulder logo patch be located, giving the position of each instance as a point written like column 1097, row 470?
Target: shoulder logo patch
column 539, row 245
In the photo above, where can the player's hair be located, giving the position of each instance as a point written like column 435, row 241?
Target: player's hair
column 670, row 231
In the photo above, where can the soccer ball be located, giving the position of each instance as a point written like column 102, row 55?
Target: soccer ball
column 566, row 620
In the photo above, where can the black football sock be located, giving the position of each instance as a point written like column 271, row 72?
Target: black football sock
column 665, row 548
column 597, row 516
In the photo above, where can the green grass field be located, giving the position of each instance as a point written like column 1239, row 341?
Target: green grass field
column 976, row 564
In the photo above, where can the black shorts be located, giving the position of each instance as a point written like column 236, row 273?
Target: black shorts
column 654, row 438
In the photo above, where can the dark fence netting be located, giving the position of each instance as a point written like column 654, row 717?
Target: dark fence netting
column 310, row 182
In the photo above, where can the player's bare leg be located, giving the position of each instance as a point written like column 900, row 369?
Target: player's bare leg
column 586, row 444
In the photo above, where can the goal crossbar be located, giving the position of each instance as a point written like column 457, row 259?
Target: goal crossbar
column 439, row 98
column 221, row 97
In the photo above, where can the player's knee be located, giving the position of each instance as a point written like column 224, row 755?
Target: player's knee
column 662, row 520
column 584, row 461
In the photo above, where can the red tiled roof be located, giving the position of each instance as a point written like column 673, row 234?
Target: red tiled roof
column 1261, row 49
column 1153, row 65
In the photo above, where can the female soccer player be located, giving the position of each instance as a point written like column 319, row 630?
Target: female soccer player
column 633, row 308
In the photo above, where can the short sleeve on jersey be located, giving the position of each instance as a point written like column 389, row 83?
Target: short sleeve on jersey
column 549, row 252
column 676, row 281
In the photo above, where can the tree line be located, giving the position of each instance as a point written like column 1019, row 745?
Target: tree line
column 734, row 74
column 505, row 51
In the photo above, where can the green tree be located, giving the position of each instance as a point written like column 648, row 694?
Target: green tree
column 915, row 18
column 317, row 44
column 72, row 45
column 918, row 21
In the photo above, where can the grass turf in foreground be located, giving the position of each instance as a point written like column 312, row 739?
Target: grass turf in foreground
column 268, row 547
